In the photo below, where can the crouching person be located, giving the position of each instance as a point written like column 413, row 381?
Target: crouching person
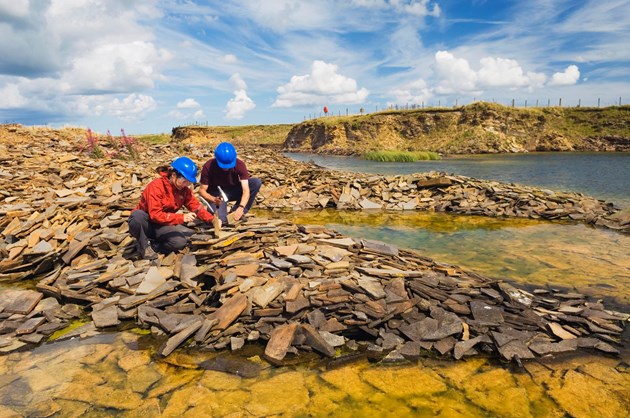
column 155, row 223
column 225, row 179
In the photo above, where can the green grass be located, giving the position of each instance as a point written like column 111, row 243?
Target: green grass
column 400, row 156
column 154, row 139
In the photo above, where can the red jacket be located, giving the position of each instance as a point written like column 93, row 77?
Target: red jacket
column 161, row 201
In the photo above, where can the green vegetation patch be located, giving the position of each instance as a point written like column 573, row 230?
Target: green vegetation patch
column 400, row 156
column 155, row 139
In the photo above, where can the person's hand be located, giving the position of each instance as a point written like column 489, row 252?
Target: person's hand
column 238, row 213
column 218, row 200
column 189, row 217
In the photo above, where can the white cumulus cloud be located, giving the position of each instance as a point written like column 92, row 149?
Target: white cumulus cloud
column 188, row 104
column 238, row 82
column 90, row 57
column 413, row 93
column 455, row 74
column 130, row 108
column 116, row 67
column 417, row 7
column 323, row 85
column 501, row 72
column 240, row 104
column 187, row 109
column 568, row 77
column 11, row 98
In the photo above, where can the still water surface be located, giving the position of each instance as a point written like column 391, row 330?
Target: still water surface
column 604, row 175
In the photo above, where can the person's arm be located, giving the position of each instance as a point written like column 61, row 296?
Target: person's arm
column 204, row 182
column 240, row 211
column 197, row 208
column 203, row 191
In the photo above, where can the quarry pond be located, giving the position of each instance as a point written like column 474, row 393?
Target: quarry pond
column 603, row 175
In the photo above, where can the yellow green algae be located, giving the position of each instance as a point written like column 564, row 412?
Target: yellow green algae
column 533, row 253
column 102, row 376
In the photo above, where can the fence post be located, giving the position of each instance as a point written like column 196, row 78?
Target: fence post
column 619, row 100
column 346, row 111
column 598, row 99
column 536, row 102
column 560, row 102
column 423, row 104
column 579, row 102
column 548, row 102
column 512, row 102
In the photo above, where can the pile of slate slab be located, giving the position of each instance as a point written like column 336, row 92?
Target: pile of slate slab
column 295, row 288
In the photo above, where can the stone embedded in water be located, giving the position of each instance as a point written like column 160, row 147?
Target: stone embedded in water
column 179, row 338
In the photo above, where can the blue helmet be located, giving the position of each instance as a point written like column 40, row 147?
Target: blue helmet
column 225, row 154
column 186, row 167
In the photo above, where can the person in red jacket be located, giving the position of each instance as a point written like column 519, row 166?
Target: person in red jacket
column 156, row 217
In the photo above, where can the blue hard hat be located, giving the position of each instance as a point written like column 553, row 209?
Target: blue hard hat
column 225, row 154
column 186, row 167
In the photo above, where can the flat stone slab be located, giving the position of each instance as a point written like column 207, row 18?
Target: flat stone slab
column 19, row 301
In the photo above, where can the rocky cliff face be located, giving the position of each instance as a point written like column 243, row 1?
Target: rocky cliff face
column 477, row 128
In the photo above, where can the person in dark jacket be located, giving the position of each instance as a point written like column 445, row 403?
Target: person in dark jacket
column 225, row 179
column 156, row 218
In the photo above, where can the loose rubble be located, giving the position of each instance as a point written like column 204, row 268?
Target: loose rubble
column 292, row 288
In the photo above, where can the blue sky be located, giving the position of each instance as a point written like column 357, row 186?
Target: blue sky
column 147, row 66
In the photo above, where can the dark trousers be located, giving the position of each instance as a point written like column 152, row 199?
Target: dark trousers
column 234, row 194
column 168, row 238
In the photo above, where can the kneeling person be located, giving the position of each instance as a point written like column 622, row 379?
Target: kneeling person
column 229, row 173
column 156, row 218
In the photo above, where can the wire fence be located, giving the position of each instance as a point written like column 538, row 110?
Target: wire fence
column 523, row 103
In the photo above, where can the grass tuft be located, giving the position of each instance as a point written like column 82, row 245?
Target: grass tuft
column 401, row 156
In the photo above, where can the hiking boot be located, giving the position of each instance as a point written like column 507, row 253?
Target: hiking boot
column 149, row 253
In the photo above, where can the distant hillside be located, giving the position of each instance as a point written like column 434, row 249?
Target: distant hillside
column 473, row 129
column 251, row 134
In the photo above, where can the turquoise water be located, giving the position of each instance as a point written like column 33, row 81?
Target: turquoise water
column 604, row 175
